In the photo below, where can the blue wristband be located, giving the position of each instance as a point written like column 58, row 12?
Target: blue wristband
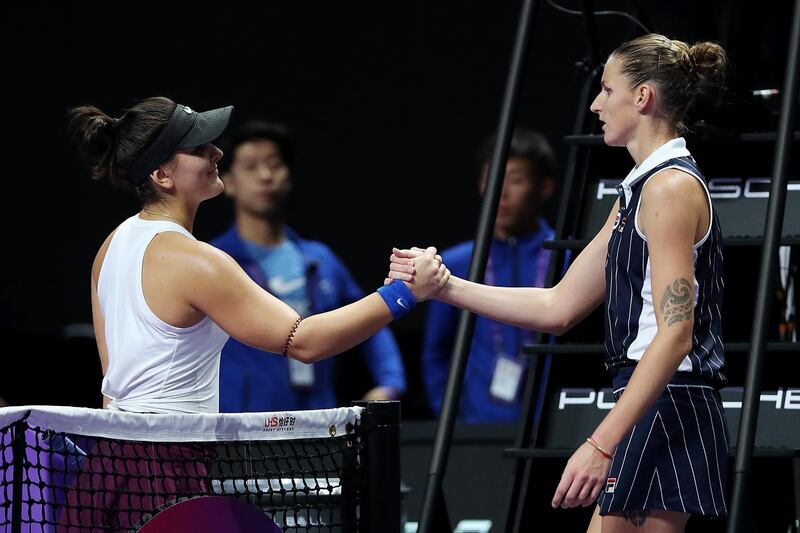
column 398, row 298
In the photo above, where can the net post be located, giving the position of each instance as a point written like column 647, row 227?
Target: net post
column 380, row 429
column 18, row 452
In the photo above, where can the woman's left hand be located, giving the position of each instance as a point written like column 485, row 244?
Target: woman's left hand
column 583, row 478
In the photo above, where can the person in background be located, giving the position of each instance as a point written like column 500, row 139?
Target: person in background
column 305, row 274
column 496, row 367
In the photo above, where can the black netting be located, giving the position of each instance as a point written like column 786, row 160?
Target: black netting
column 69, row 482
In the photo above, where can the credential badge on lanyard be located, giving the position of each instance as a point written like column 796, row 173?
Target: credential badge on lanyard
column 508, row 371
column 506, row 378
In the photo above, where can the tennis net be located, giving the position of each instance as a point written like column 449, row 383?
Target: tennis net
column 76, row 469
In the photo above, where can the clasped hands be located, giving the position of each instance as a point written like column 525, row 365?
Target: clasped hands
column 420, row 269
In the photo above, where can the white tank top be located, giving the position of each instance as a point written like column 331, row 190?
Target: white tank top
column 153, row 367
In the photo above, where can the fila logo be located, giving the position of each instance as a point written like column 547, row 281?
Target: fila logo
column 611, row 485
column 622, row 223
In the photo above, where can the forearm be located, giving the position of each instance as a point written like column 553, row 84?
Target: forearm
column 327, row 334
column 551, row 310
column 651, row 376
column 525, row 307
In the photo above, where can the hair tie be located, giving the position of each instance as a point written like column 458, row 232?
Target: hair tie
column 114, row 124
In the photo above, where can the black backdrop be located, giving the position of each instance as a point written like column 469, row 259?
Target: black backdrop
column 388, row 103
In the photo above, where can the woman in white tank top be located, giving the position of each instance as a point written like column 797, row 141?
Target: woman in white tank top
column 163, row 303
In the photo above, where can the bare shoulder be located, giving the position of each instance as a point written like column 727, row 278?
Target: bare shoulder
column 673, row 206
column 189, row 258
column 672, row 185
column 197, row 273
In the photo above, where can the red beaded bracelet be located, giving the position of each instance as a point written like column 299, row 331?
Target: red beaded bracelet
column 288, row 342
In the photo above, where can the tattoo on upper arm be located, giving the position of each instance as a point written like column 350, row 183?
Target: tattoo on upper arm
column 677, row 302
column 636, row 518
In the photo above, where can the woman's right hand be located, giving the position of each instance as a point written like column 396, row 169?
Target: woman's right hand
column 421, row 270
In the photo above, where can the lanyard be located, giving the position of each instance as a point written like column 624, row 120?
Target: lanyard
column 542, row 262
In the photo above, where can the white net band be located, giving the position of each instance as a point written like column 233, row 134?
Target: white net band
column 227, row 427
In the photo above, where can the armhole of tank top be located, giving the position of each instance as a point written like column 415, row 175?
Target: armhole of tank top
column 708, row 199
column 149, row 313
column 103, row 263
column 99, row 283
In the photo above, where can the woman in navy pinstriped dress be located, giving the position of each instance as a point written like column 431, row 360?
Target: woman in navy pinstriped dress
column 661, row 454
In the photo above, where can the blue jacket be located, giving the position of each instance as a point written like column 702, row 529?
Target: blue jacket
column 253, row 380
column 514, row 263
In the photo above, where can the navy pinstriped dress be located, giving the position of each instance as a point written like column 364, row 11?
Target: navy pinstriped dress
column 676, row 456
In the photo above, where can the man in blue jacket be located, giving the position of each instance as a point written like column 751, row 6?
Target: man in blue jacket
column 304, row 274
column 496, row 368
